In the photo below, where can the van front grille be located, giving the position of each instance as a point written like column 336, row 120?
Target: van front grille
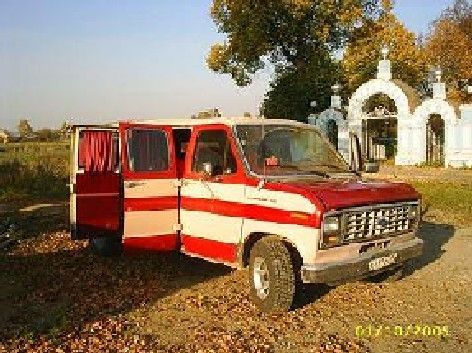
column 379, row 221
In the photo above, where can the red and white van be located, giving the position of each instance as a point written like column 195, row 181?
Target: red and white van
column 273, row 195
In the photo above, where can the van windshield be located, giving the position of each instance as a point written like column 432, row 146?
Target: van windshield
column 283, row 150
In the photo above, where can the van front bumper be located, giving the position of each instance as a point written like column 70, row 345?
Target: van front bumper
column 361, row 266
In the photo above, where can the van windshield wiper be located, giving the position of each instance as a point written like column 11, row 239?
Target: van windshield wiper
column 304, row 170
column 334, row 166
column 319, row 173
column 316, row 166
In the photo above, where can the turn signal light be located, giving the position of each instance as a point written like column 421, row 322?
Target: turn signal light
column 331, row 231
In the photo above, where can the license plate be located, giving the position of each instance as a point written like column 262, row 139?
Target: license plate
column 381, row 262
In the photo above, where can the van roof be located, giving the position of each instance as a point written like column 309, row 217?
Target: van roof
column 231, row 121
column 221, row 120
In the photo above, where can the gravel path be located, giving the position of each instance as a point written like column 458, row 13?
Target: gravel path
column 58, row 297
column 461, row 176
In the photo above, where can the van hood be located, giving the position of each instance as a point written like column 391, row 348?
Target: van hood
column 339, row 194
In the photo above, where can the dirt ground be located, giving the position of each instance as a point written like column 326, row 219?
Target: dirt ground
column 461, row 176
column 57, row 296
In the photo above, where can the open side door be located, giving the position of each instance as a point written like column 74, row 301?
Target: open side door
column 212, row 192
column 151, row 217
column 95, row 185
column 355, row 153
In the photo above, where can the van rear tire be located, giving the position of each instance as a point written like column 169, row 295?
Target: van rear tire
column 272, row 275
column 106, row 246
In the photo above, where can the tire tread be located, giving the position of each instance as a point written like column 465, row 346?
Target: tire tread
column 278, row 257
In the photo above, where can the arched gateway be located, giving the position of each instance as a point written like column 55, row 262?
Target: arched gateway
column 414, row 132
column 360, row 122
column 331, row 121
column 434, row 123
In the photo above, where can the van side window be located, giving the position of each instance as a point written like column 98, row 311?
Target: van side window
column 148, row 150
column 89, row 144
column 214, row 147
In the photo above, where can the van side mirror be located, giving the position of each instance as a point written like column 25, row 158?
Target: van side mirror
column 355, row 154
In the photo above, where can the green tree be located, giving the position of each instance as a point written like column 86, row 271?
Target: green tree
column 48, row 135
column 283, row 32
column 24, row 128
column 293, row 90
column 290, row 35
column 363, row 52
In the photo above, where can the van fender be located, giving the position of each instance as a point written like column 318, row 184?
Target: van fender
column 303, row 240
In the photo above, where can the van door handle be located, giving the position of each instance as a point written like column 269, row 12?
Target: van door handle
column 132, row 184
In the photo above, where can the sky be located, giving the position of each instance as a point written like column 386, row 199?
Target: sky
column 94, row 61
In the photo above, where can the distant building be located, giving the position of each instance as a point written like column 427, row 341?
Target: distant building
column 5, row 136
column 210, row 113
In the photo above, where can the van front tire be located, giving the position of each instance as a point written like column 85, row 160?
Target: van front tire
column 272, row 275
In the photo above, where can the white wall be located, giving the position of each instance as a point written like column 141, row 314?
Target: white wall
column 461, row 139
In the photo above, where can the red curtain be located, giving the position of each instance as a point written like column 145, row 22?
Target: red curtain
column 98, row 151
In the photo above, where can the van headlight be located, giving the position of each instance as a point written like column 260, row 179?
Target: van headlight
column 415, row 212
column 331, row 231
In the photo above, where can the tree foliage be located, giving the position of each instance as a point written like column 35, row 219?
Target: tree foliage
column 293, row 90
column 364, row 51
column 296, row 37
column 379, row 100
column 449, row 45
column 284, row 33
column 460, row 12
column 299, row 37
column 48, row 135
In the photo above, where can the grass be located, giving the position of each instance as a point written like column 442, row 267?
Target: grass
column 446, row 202
column 33, row 171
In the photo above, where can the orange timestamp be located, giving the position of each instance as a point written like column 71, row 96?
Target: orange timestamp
column 418, row 330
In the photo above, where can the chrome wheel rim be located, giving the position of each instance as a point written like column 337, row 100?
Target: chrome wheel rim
column 261, row 278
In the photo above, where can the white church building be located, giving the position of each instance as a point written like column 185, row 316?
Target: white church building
column 429, row 131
